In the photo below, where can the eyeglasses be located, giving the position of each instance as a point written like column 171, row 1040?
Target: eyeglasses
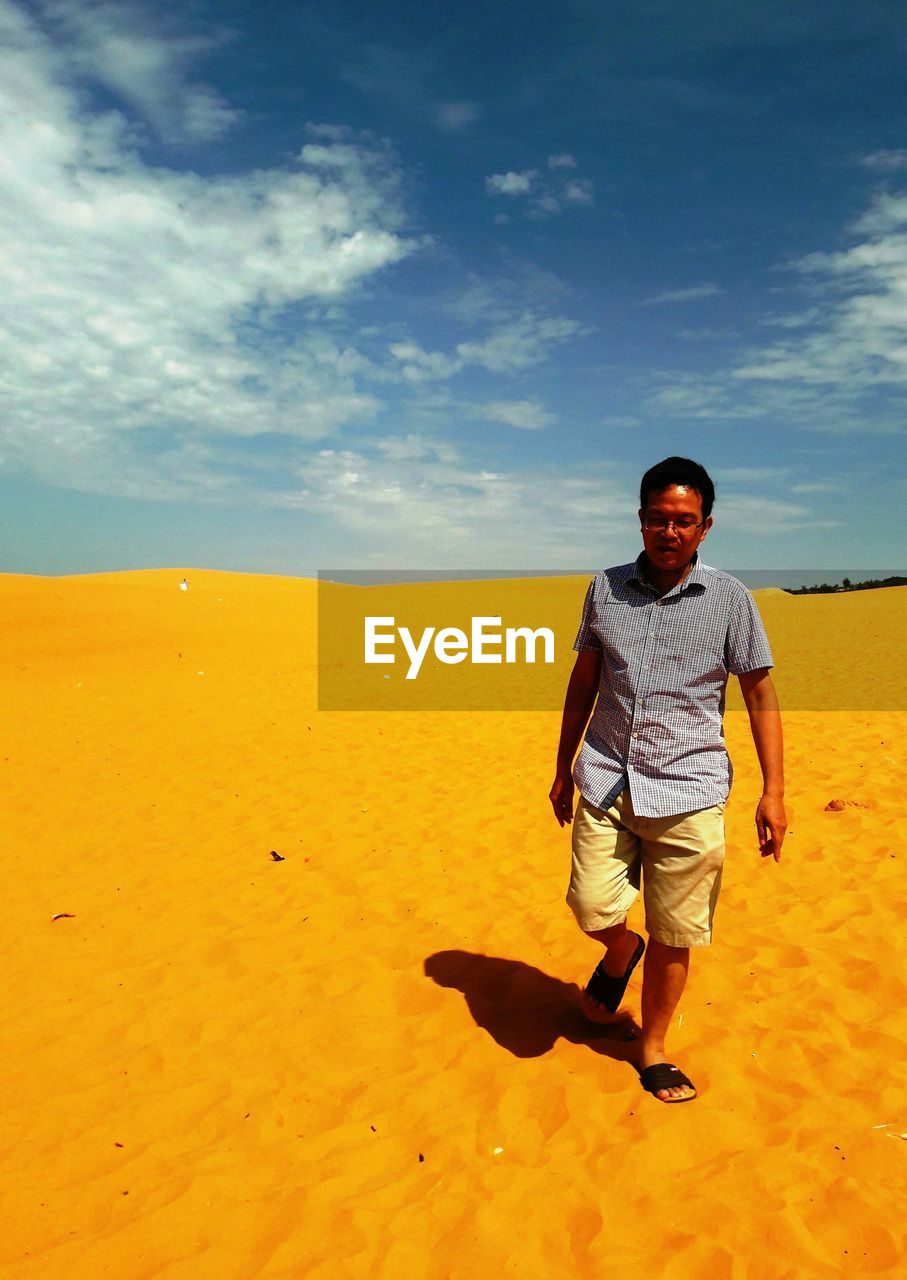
column 686, row 524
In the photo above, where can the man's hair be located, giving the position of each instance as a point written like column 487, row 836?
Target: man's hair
column 678, row 471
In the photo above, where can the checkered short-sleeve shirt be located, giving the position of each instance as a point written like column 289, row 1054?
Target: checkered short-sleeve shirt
column 657, row 724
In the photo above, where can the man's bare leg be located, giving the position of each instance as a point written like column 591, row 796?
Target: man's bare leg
column 664, row 978
column 620, row 943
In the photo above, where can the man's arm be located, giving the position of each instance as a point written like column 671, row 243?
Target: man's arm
column 765, row 724
column 581, row 694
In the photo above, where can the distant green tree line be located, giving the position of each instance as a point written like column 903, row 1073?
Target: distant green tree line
column 827, row 588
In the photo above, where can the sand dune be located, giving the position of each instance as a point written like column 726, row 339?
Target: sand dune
column 367, row 1058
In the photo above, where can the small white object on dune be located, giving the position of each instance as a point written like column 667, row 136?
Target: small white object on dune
column 499, row 1151
column 184, row 585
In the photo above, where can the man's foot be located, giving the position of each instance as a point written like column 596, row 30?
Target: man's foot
column 658, row 1082
column 601, row 999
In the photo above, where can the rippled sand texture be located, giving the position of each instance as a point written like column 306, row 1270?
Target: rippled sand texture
column 367, row 1059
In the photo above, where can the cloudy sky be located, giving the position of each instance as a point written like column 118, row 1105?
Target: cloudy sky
column 287, row 286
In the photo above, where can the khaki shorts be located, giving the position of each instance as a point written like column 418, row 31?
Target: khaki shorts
column 680, row 859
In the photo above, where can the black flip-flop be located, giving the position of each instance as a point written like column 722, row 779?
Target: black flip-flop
column 664, row 1075
column 609, row 990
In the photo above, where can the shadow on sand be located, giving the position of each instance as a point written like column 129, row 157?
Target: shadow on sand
column 525, row 1010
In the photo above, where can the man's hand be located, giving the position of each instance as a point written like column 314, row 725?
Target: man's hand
column 765, row 723
column 581, row 694
column 561, row 797
column 771, row 824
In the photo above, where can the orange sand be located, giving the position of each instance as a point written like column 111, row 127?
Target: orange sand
column 367, row 1060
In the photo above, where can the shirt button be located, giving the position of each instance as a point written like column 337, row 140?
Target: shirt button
column 635, row 735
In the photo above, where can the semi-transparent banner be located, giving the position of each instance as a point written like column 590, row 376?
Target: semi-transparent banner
column 502, row 640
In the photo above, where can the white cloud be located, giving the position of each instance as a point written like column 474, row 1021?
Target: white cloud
column 511, row 184
column 545, row 206
column 142, row 304
column 706, row 333
column 793, row 319
column 579, row 191
column 548, row 197
column 887, row 214
column 419, row 365
column 858, row 340
column 817, row 486
column 140, row 56
column 413, row 446
column 687, row 396
column 519, row 343
column 440, row 511
column 772, row 476
column 620, row 420
column 497, row 298
column 510, row 342
column 885, row 161
column 832, row 367
column 768, row 517
column 526, row 415
column 691, row 294
column 453, row 117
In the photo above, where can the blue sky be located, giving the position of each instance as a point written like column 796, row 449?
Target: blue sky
column 289, row 286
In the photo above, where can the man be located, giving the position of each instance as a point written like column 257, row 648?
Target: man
column 658, row 641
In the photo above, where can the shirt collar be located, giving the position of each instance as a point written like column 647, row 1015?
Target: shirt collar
column 697, row 577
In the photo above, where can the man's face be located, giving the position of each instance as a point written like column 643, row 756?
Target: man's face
column 671, row 547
